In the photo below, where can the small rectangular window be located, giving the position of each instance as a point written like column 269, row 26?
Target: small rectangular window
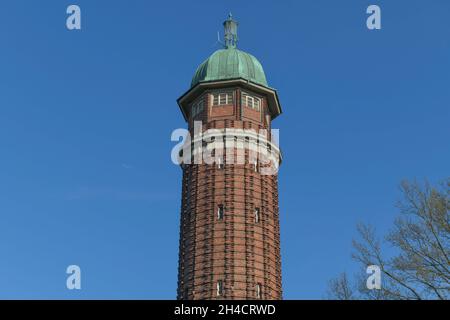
column 230, row 99
column 219, row 288
column 250, row 101
column 197, row 108
column 222, row 98
column 258, row 291
column 256, row 215
column 220, row 212
column 257, row 103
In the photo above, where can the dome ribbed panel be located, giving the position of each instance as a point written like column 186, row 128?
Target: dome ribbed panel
column 230, row 63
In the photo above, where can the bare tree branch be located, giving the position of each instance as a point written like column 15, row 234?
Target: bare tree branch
column 420, row 267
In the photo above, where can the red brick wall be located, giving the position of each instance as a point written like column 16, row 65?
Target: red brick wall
column 236, row 250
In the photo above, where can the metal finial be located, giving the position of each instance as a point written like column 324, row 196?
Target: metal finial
column 231, row 37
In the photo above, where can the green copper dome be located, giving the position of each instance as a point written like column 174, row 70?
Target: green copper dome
column 230, row 63
column 230, row 67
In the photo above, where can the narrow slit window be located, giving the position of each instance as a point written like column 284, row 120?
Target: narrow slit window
column 256, row 215
column 220, row 212
column 258, row 291
column 219, row 288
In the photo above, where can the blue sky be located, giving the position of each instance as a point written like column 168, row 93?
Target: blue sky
column 86, row 118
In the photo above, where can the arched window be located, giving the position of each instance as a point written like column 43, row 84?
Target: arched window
column 251, row 101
